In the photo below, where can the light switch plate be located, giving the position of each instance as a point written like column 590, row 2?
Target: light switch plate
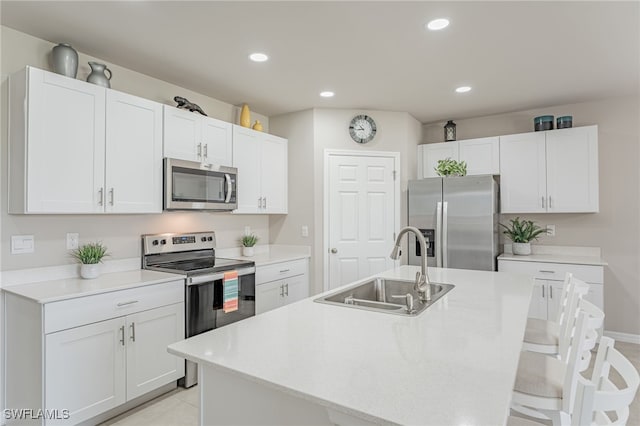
column 21, row 244
column 305, row 231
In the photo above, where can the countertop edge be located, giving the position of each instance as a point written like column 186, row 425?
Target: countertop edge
column 547, row 258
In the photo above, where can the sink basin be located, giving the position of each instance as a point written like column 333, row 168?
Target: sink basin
column 375, row 295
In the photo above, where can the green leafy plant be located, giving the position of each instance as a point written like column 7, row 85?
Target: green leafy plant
column 449, row 167
column 89, row 254
column 249, row 240
column 522, row 231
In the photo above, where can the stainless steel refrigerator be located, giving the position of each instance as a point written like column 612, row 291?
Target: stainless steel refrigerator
column 459, row 218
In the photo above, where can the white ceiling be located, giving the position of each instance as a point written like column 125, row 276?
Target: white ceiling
column 374, row 55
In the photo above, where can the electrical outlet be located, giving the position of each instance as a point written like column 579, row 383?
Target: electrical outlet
column 21, row 244
column 247, row 230
column 551, row 230
column 305, row 231
column 72, row 241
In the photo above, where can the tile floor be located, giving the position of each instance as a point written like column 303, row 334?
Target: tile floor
column 180, row 407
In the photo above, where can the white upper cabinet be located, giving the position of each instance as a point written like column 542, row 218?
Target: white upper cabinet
column 261, row 160
column 133, row 154
column 75, row 147
column 481, row 155
column 553, row 171
column 194, row 137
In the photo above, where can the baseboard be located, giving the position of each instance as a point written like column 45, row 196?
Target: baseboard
column 623, row 337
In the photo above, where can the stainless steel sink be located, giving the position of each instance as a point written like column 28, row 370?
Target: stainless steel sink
column 376, row 295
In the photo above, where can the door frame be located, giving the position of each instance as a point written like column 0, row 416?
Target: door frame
column 328, row 153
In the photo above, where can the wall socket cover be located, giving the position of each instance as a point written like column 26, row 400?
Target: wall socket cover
column 21, row 244
column 551, row 230
column 72, row 241
column 247, row 230
column 305, row 231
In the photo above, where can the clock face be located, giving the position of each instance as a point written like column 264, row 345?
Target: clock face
column 362, row 128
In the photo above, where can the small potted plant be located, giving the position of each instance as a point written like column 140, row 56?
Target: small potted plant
column 90, row 255
column 248, row 241
column 522, row 232
column 449, row 167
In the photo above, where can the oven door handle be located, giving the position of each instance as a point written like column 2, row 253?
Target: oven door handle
column 227, row 178
column 199, row 279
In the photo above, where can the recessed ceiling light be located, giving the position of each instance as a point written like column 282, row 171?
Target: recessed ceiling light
column 438, row 24
column 463, row 89
column 327, row 94
column 258, row 57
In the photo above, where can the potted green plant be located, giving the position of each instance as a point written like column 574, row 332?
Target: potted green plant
column 522, row 232
column 248, row 241
column 449, row 167
column 90, row 255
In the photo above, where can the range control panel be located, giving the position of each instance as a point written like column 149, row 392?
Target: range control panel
column 170, row 243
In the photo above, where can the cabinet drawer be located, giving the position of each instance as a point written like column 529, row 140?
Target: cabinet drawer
column 277, row 271
column 554, row 271
column 85, row 310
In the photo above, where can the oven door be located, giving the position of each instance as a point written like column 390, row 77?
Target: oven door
column 189, row 185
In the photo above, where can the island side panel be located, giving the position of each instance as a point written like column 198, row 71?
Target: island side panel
column 229, row 399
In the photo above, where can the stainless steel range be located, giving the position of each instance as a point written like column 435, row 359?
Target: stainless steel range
column 194, row 256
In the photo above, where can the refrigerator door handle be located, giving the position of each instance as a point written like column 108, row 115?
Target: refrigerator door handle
column 445, row 248
column 439, row 234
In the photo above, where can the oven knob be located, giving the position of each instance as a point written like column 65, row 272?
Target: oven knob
column 209, row 238
column 154, row 242
column 163, row 242
column 203, row 239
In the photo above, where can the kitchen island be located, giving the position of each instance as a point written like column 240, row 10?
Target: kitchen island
column 314, row 363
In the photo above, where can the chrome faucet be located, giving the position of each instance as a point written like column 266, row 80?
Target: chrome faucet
column 422, row 284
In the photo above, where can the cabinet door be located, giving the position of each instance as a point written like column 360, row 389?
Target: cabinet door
column 85, row 369
column 433, row 152
column 149, row 365
column 554, row 299
column 182, row 134
column 269, row 296
column 217, row 142
column 133, row 154
column 65, row 144
column 481, row 155
column 296, row 288
column 538, row 306
column 572, row 170
column 246, row 157
column 523, row 173
column 274, row 174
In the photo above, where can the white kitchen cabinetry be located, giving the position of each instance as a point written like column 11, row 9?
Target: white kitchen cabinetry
column 481, row 155
column 76, row 147
column 555, row 171
column 281, row 283
column 549, row 278
column 194, row 137
column 261, row 160
column 91, row 354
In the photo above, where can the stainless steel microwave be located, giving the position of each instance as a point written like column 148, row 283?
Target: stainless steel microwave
column 190, row 185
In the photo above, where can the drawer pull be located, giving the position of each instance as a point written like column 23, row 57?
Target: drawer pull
column 133, row 331
column 286, row 289
column 284, row 270
column 122, row 335
column 547, row 272
column 131, row 302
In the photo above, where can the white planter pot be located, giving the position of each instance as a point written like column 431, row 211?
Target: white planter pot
column 89, row 271
column 521, row 248
column 247, row 251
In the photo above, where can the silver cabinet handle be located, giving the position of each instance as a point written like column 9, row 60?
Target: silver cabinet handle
column 260, row 202
column 334, row 250
column 281, row 290
column 543, row 202
column 199, row 150
column 284, row 270
column 264, row 202
column 122, row 335
column 111, row 196
column 133, row 331
column 546, row 272
column 286, row 289
column 543, row 292
column 101, row 197
column 206, row 150
column 131, row 302
column 550, row 205
column 551, row 292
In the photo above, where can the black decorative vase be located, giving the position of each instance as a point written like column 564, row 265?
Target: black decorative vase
column 450, row 131
column 65, row 60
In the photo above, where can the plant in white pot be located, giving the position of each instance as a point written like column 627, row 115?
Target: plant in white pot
column 248, row 241
column 90, row 255
column 522, row 232
column 449, row 167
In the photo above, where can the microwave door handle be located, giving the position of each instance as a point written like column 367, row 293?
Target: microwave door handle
column 227, row 178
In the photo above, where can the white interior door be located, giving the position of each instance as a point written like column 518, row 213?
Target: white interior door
column 362, row 203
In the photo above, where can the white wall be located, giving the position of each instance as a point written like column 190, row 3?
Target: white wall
column 397, row 132
column 616, row 228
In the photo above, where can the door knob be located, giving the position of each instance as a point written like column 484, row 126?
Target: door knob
column 334, row 250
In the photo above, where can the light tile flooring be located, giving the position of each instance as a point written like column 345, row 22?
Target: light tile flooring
column 180, row 407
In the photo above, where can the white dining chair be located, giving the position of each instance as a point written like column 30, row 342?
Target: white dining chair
column 597, row 398
column 543, row 336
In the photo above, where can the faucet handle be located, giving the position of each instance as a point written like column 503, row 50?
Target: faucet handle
column 408, row 299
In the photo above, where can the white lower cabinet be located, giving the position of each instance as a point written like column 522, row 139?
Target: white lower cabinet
column 280, row 284
column 549, row 279
column 61, row 359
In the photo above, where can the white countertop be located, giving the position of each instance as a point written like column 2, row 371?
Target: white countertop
column 70, row 288
column 557, row 254
column 268, row 254
column 454, row 364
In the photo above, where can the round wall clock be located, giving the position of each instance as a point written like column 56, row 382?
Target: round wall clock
column 362, row 128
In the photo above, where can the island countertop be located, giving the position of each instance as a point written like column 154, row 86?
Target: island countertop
column 453, row 364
